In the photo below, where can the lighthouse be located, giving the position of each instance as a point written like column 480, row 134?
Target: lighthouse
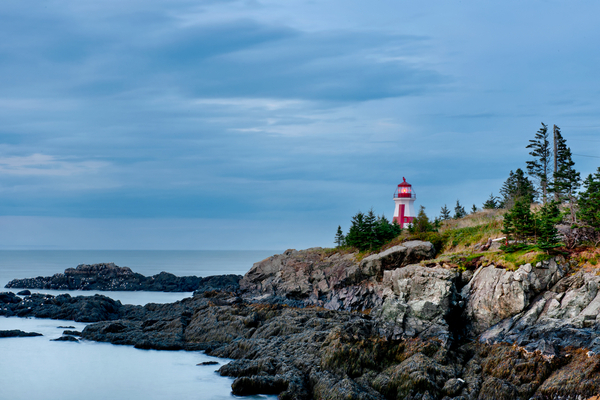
column 404, row 208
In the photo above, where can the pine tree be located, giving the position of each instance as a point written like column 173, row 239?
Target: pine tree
column 589, row 205
column 370, row 237
column 473, row 209
column 356, row 233
column 517, row 186
column 459, row 211
column 368, row 232
column 566, row 179
column 519, row 223
column 492, row 202
column 339, row 237
column 546, row 220
column 444, row 213
column 539, row 167
column 421, row 223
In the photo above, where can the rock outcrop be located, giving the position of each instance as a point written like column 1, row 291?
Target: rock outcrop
column 494, row 294
column 566, row 315
column 111, row 277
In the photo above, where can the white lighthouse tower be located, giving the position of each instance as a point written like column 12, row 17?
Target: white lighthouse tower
column 404, row 199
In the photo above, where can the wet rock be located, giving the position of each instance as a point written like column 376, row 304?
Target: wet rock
column 66, row 339
column 9, row 297
column 17, row 333
column 80, row 308
column 24, row 293
column 208, row 363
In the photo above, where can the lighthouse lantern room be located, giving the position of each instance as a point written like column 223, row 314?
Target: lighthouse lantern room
column 404, row 199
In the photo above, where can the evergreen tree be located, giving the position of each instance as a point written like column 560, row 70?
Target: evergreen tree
column 519, row 223
column 340, row 239
column 566, row 179
column 459, row 211
column 473, row 209
column 384, row 231
column 368, row 232
column 517, row 186
column 589, row 204
column 421, row 223
column 539, row 167
column 491, row 203
column 546, row 220
column 444, row 213
column 356, row 233
column 370, row 236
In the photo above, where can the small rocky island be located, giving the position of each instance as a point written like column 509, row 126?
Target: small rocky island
column 108, row 276
column 323, row 324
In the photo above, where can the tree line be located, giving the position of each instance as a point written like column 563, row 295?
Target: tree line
column 556, row 183
column 368, row 232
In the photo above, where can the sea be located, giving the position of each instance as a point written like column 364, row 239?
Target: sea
column 39, row 368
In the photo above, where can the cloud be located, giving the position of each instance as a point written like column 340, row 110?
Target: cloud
column 46, row 165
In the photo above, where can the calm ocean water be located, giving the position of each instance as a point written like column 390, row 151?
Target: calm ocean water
column 37, row 368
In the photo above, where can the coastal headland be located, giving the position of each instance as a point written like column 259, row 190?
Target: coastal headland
column 399, row 324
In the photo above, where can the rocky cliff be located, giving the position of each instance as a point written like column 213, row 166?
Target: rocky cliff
column 324, row 325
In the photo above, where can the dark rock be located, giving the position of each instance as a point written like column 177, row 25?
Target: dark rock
column 66, row 339
column 250, row 385
column 72, row 333
column 17, row 333
column 208, row 363
column 227, row 283
column 24, row 293
column 80, row 308
column 65, row 327
column 108, row 277
column 9, row 297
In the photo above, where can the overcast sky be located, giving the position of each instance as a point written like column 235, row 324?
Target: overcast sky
column 206, row 124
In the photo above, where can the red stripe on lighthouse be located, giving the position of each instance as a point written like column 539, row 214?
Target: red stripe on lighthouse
column 400, row 218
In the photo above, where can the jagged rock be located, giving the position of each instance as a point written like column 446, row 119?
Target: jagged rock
column 418, row 300
column 108, row 276
column 334, row 281
column 494, row 294
column 566, row 315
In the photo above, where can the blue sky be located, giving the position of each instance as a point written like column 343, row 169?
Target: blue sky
column 175, row 124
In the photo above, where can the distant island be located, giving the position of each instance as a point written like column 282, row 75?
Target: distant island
column 110, row 277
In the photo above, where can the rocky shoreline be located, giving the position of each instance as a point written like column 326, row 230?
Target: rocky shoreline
column 318, row 324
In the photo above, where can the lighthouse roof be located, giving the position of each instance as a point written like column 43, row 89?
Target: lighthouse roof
column 404, row 183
